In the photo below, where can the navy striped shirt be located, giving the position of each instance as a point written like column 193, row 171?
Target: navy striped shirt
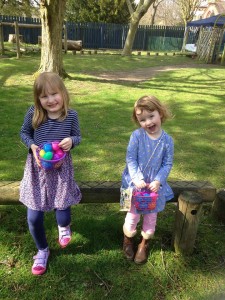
column 50, row 130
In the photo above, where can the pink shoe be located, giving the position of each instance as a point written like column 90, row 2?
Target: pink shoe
column 64, row 236
column 40, row 262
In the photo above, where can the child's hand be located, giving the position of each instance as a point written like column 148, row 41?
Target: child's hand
column 66, row 144
column 154, row 186
column 140, row 184
column 34, row 150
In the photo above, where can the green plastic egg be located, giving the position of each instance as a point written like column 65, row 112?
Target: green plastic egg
column 48, row 155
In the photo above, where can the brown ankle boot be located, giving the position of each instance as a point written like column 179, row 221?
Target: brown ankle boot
column 141, row 256
column 128, row 247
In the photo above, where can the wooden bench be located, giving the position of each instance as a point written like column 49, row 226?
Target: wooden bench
column 109, row 192
column 190, row 196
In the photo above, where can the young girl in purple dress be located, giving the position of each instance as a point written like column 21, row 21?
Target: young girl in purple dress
column 49, row 119
column 149, row 160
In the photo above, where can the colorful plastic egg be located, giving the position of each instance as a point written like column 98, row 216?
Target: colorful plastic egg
column 55, row 146
column 47, row 147
column 56, row 156
column 42, row 153
column 46, row 165
column 60, row 153
column 154, row 196
column 48, row 155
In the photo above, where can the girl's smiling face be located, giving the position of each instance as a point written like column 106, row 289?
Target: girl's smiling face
column 51, row 100
column 150, row 121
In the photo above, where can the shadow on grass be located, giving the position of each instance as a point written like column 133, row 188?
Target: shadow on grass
column 93, row 266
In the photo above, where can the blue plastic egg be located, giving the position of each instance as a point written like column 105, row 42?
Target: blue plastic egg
column 47, row 147
column 46, row 165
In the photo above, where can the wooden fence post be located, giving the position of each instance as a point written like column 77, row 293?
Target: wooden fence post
column 218, row 207
column 186, row 222
column 65, row 39
column 1, row 40
column 17, row 39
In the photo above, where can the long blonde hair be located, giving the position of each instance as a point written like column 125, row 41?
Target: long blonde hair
column 151, row 103
column 44, row 81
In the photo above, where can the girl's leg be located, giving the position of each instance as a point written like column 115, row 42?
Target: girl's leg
column 149, row 224
column 131, row 221
column 63, row 218
column 35, row 221
column 129, row 229
column 148, row 229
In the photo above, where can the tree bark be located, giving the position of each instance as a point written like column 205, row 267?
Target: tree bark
column 141, row 10
column 52, row 15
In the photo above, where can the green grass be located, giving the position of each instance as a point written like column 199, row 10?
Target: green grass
column 93, row 267
column 195, row 96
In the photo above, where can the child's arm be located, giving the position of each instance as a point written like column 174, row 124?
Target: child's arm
column 75, row 135
column 154, row 186
column 34, row 150
column 140, row 184
column 27, row 131
column 66, row 144
column 166, row 166
column 132, row 163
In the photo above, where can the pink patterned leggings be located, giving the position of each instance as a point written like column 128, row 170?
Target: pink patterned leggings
column 132, row 219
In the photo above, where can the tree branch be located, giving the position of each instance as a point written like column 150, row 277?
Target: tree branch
column 130, row 7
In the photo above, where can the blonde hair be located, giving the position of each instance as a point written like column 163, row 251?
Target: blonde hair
column 150, row 103
column 43, row 82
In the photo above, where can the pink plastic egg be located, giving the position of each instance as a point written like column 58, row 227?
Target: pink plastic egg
column 60, row 153
column 55, row 146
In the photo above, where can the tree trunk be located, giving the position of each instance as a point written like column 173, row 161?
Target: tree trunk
column 185, row 38
column 52, row 15
column 127, row 50
column 141, row 10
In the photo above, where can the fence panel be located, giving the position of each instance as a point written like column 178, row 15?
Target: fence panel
column 30, row 35
column 103, row 35
column 161, row 38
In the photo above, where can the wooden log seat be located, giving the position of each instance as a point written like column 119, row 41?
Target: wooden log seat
column 109, row 191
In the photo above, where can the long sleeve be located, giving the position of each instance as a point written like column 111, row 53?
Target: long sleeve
column 51, row 129
column 27, row 131
column 75, row 130
column 132, row 159
column 167, row 162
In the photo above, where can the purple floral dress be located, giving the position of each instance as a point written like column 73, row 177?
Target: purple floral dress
column 53, row 189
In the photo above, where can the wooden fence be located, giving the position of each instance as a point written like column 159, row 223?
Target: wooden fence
column 102, row 35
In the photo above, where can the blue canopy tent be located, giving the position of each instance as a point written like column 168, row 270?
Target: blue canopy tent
column 209, row 48
column 218, row 21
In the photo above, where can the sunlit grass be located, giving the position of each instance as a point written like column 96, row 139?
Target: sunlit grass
column 93, row 267
column 195, row 96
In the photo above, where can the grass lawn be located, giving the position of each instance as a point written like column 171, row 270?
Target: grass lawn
column 93, row 267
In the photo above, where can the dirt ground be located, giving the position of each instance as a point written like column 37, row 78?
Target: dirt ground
column 143, row 74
